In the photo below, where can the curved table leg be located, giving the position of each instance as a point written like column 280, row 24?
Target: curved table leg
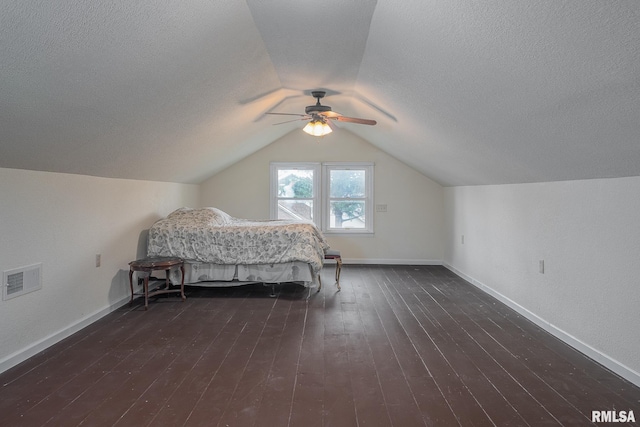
column 182, row 283
column 131, row 285
column 146, row 291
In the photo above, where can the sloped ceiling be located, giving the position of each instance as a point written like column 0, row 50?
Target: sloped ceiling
column 467, row 92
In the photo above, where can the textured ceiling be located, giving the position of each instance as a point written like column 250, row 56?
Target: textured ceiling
column 466, row 92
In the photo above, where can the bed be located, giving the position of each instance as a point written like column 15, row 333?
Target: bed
column 220, row 250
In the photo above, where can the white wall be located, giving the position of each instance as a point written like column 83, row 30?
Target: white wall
column 587, row 233
column 63, row 221
column 410, row 231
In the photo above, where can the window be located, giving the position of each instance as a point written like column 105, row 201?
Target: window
column 294, row 191
column 337, row 196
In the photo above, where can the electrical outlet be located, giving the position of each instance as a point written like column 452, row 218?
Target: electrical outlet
column 541, row 266
column 462, row 239
column 98, row 260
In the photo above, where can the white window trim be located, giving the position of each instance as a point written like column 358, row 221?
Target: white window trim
column 368, row 198
column 273, row 185
column 321, row 193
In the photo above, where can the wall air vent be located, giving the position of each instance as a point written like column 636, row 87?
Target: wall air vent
column 20, row 281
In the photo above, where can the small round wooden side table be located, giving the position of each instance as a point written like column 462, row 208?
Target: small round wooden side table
column 147, row 265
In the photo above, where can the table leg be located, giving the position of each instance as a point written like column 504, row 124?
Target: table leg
column 146, row 291
column 131, row 285
column 182, row 283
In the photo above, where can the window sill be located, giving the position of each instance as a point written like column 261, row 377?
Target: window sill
column 350, row 233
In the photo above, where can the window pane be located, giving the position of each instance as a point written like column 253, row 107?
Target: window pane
column 295, row 209
column 346, row 183
column 347, row 214
column 295, row 183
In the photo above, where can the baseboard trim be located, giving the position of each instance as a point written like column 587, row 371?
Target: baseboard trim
column 388, row 261
column 35, row 348
column 603, row 359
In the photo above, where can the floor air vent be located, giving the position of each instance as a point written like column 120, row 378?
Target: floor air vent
column 20, row 281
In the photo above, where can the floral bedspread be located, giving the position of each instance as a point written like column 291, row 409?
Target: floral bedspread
column 211, row 235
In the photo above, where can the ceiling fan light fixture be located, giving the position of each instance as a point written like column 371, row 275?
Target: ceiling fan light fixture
column 317, row 128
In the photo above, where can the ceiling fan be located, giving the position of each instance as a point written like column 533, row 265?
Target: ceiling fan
column 321, row 117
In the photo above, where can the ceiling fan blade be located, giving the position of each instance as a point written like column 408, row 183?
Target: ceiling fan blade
column 289, row 121
column 354, row 120
column 330, row 114
column 289, row 114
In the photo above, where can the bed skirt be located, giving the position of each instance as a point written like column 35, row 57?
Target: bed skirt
column 206, row 274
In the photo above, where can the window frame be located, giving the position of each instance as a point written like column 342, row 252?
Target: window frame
column 327, row 167
column 321, row 193
column 273, row 186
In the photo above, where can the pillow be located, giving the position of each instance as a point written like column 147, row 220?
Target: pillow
column 210, row 216
column 218, row 217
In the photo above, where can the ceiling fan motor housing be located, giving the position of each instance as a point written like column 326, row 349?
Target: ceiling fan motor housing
column 318, row 108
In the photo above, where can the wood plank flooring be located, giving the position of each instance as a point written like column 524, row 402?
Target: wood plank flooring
column 398, row 346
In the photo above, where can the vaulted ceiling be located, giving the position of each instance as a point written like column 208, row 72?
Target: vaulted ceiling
column 466, row 92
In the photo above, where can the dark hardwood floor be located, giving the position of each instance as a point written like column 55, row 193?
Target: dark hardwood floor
column 398, row 346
